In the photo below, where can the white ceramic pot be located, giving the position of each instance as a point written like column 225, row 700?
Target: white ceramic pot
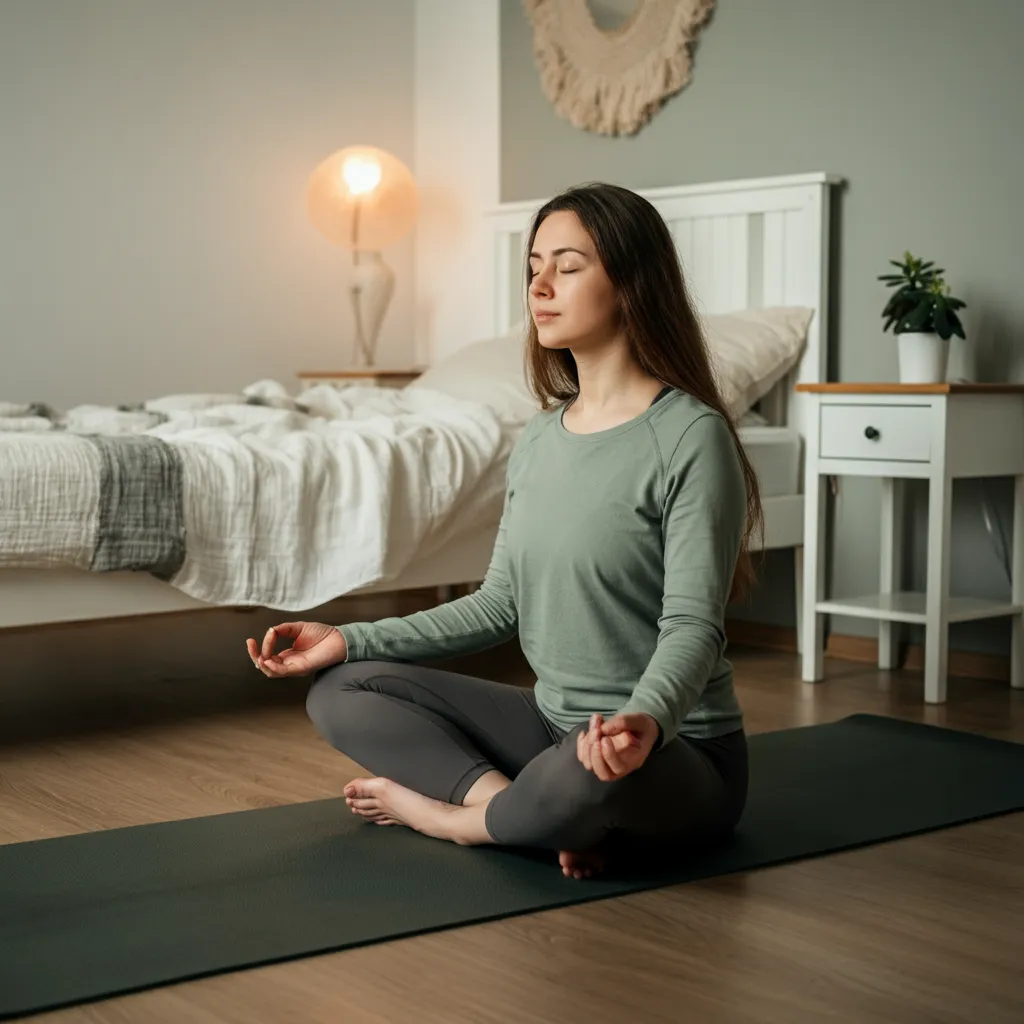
column 923, row 358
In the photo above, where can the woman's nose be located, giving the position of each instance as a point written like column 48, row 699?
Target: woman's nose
column 540, row 285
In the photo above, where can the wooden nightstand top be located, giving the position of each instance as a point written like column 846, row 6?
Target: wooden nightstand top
column 363, row 374
column 884, row 388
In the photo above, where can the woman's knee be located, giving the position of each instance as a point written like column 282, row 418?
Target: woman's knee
column 328, row 691
column 329, row 682
column 572, row 789
column 555, row 802
column 336, row 700
column 578, row 807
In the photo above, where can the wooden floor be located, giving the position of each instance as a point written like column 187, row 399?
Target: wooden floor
column 926, row 929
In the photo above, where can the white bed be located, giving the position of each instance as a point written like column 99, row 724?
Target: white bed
column 744, row 245
column 776, row 455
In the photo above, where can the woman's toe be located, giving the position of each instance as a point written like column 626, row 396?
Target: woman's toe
column 361, row 788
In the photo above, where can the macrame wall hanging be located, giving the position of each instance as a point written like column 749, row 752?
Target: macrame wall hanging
column 613, row 82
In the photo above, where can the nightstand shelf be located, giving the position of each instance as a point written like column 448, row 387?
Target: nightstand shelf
column 935, row 432
column 912, row 606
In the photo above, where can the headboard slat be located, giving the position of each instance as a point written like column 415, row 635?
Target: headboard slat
column 773, row 262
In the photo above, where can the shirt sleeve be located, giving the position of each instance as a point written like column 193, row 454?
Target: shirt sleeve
column 483, row 619
column 703, row 520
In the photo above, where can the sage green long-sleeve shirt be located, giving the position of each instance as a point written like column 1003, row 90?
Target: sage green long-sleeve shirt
column 613, row 562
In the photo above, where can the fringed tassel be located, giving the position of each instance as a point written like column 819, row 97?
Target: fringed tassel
column 616, row 101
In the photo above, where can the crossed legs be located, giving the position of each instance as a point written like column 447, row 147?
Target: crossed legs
column 473, row 761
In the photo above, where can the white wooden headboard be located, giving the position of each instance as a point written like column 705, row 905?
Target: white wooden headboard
column 743, row 244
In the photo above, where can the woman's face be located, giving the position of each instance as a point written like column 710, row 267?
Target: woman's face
column 572, row 301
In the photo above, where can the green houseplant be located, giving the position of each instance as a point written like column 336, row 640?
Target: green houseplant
column 923, row 316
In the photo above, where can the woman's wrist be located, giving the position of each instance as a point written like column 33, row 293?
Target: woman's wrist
column 657, row 726
column 344, row 645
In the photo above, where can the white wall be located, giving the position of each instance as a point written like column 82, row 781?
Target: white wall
column 153, row 234
column 457, row 166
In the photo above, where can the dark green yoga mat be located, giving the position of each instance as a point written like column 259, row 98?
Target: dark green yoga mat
column 94, row 915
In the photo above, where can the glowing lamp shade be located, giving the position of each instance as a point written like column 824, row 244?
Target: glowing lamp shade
column 362, row 198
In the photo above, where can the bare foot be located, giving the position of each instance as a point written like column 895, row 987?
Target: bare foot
column 585, row 864
column 387, row 803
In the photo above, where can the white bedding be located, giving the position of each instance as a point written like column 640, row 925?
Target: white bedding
column 294, row 501
column 282, row 507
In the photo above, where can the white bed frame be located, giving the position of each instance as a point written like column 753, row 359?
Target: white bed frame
column 744, row 244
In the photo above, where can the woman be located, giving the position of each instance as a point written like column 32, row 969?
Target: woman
column 628, row 511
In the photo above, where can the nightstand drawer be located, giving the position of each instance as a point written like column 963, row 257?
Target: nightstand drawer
column 897, row 433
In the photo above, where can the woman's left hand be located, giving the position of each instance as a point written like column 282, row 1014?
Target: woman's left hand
column 613, row 749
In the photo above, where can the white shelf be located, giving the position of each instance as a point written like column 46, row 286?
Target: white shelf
column 909, row 606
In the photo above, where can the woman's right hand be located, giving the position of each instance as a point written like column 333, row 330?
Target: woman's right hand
column 315, row 645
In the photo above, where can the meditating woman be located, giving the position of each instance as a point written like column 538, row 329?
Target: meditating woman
column 626, row 530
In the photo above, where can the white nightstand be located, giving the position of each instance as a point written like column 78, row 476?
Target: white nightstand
column 370, row 377
column 935, row 432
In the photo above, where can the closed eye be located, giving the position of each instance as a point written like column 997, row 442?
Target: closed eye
column 534, row 271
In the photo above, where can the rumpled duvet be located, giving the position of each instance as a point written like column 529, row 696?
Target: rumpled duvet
column 250, row 499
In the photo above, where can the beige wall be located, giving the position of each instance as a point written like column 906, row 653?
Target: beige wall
column 153, row 235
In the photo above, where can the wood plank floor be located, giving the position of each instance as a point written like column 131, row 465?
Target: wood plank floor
column 926, row 929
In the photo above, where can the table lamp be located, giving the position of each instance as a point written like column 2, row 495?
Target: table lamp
column 363, row 199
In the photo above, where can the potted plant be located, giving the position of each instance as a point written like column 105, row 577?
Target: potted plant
column 923, row 316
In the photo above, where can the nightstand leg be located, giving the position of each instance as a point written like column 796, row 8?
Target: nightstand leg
column 1017, row 586
column 936, row 642
column 812, row 633
column 891, row 559
column 798, row 584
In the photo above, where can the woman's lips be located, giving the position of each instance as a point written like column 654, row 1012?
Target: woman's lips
column 544, row 317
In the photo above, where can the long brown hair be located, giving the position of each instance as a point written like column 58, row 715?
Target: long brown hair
column 664, row 332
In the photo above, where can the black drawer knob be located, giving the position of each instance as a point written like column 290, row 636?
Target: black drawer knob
column 871, row 433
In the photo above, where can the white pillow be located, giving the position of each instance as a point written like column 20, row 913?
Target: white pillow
column 753, row 349
column 489, row 371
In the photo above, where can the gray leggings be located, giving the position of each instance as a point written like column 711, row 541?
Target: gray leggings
column 437, row 732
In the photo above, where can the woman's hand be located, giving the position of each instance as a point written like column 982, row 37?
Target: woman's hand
column 613, row 749
column 315, row 645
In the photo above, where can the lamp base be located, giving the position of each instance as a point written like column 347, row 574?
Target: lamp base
column 373, row 282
